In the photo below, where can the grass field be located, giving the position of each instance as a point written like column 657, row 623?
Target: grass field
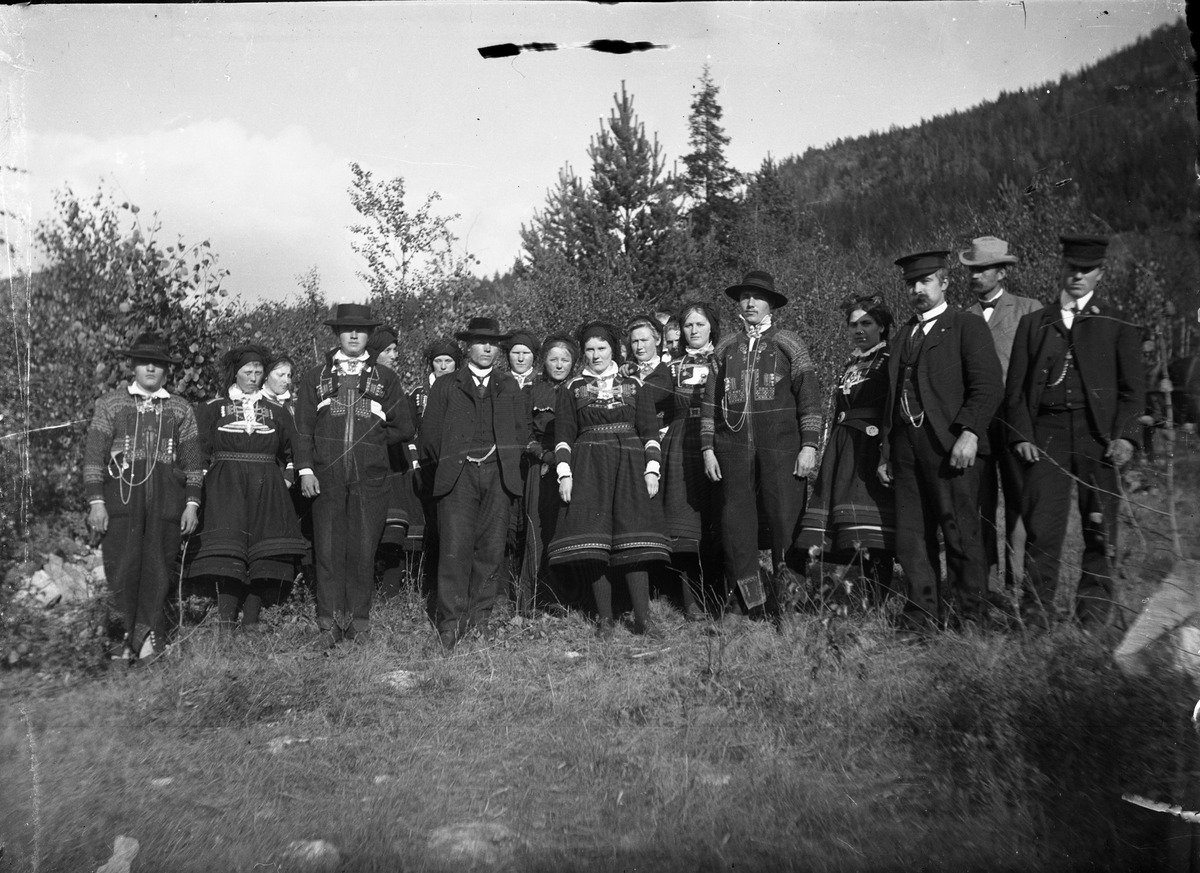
column 822, row 745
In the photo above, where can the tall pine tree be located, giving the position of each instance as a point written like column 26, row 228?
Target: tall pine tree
column 708, row 180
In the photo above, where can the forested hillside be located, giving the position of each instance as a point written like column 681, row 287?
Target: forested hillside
column 1123, row 130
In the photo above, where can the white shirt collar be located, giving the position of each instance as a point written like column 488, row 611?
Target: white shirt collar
column 138, row 391
column 993, row 298
column 237, row 394
column 858, row 353
column 432, row 379
column 1066, row 300
column 647, row 366
column 339, row 355
column 609, row 371
column 926, row 317
column 481, row 375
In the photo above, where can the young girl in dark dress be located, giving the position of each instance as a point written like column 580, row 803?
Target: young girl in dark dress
column 689, row 498
column 249, row 535
column 608, row 470
column 850, row 509
column 558, row 353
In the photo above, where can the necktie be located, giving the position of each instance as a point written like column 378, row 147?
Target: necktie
column 916, row 338
column 480, row 388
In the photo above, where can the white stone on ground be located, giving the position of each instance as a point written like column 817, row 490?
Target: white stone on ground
column 479, row 841
column 125, row 849
column 312, row 855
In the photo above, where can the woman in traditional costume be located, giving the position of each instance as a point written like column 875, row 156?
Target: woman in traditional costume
column 850, row 513
column 608, row 466
column 249, row 535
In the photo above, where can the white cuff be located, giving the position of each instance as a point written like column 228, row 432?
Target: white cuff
column 653, row 467
column 304, row 471
column 562, row 469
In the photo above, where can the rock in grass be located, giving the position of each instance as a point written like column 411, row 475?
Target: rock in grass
column 125, row 849
column 312, row 855
column 478, row 841
column 401, row 679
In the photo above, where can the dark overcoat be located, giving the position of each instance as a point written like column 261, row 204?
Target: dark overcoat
column 1108, row 357
column 958, row 377
column 448, row 425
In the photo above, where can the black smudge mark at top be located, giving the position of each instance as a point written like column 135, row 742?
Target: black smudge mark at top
column 509, row 50
column 621, row 47
column 608, row 46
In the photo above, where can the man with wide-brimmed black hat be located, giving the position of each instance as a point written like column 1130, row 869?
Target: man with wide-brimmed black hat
column 1074, row 393
column 142, row 472
column 760, row 424
column 475, row 428
column 348, row 410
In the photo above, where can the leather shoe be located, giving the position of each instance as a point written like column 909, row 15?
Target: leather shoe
column 651, row 630
column 447, row 638
column 606, row 630
column 694, row 613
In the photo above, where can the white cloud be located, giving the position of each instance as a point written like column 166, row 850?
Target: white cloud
column 272, row 206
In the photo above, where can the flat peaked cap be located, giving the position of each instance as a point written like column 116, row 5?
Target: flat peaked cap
column 760, row 283
column 921, row 264
column 150, row 347
column 481, row 330
column 1083, row 250
column 352, row 315
column 986, row 251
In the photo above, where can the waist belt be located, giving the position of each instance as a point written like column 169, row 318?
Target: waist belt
column 1053, row 410
column 618, row 427
column 870, row 416
column 247, row 457
column 693, row 412
column 479, row 462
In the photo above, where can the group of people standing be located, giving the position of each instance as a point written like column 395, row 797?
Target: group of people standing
column 663, row 449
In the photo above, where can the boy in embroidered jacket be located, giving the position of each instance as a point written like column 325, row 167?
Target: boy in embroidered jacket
column 348, row 410
column 142, row 472
column 760, row 423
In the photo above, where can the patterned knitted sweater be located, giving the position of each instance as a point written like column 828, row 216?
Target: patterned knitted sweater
column 117, row 431
column 777, row 381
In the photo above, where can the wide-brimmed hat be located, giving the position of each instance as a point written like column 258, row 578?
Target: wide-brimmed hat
column 150, row 347
column 352, row 315
column 482, row 330
column 986, row 251
column 1083, row 250
column 922, row 264
column 760, row 283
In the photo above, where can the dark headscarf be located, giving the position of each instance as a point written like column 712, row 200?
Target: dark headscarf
column 522, row 337
column 606, row 331
column 239, row 356
column 380, row 339
column 443, row 346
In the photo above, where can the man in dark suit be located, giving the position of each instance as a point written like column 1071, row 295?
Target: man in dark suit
column 944, row 388
column 1074, row 393
column 988, row 261
column 475, row 428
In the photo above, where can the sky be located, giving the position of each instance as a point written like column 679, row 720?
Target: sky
column 237, row 123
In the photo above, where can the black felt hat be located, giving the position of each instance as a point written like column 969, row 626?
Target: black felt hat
column 760, row 283
column 151, row 347
column 482, row 330
column 352, row 315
